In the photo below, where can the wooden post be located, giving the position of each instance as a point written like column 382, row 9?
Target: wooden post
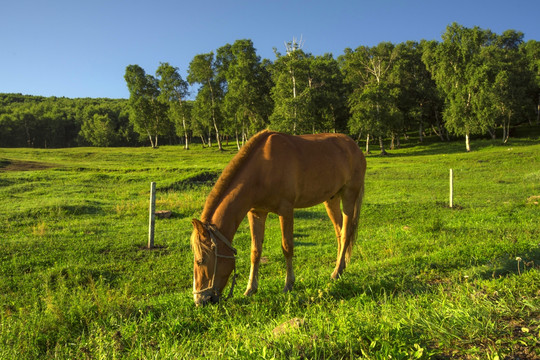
column 451, row 188
column 152, row 214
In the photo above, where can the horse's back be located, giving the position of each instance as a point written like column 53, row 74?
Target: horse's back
column 309, row 169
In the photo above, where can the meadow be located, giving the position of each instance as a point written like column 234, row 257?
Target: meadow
column 425, row 280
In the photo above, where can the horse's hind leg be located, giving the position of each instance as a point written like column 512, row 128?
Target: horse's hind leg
column 257, row 221
column 351, row 201
column 333, row 210
column 287, row 245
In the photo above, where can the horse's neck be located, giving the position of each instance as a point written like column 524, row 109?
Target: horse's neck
column 229, row 212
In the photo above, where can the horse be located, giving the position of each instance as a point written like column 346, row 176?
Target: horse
column 276, row 172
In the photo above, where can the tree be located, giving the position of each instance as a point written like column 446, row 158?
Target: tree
column 418, row 99
column 248, row 85
column 290, row 77
column 476, row 70
column 99, row 130
column 510, row 78
column 531, row 49
column 173, row 90
column 202, row 70
column 327, row 95
column 148, row 114
column 373, row 99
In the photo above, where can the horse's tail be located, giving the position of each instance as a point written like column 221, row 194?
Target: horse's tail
column 356, row 216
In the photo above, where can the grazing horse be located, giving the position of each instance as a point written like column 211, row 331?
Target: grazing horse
column 275, row 172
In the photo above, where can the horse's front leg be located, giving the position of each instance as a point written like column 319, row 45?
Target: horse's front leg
column 287, row 245
column 257, row 221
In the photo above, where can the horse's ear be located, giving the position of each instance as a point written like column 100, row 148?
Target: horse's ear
column 198, row 225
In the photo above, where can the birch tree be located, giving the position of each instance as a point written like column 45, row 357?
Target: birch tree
column 290, row 76
column 202, row 70
column 373, row 98
column 148, row 114
column 248, row 81
column 173, row 91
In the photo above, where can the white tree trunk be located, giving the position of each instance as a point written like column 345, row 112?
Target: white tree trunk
column 381, row 144
column 367, row 144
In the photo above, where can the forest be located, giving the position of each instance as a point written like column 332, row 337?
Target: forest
column 473, row 82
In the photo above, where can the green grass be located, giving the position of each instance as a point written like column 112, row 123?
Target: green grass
column 425, row 281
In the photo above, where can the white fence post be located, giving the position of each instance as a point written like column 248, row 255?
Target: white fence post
column 152, row 214
column 451, row 188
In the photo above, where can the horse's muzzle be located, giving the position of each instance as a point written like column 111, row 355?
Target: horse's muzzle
column 206, row 298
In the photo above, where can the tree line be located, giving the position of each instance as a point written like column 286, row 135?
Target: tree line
column 472, row 82
column 51, row 122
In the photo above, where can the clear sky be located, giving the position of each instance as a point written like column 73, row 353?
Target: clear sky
column 80, row 48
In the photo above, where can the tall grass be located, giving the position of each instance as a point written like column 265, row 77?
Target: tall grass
column 425, row 280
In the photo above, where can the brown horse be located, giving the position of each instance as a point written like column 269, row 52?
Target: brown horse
column 276, row 173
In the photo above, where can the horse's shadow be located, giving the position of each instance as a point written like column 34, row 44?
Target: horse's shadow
column 353, row 284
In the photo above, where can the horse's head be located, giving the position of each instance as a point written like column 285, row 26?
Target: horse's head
column 214, row 261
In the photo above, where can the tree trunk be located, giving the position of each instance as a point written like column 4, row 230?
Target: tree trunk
column 467, row 143
column 203, row 142
column 367, row 144
column 506, row 129
column 294, row 97
column 439, row 126
column 214, row 116
column 538, row 112
column 381, row 144
column 218, row 138
column 421, row 132
column 186, row 144
column 237, row 139
column 150, row 137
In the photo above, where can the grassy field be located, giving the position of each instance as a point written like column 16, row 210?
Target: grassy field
column 425, row 280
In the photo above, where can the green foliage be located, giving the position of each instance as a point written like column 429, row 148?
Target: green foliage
column 290, row 74
column 473, row 82
column 425, row 281
column 247, row 99
column 373, row 100
column 34, row 121
column 203, row 71
column 148, row 109
column 483, row 77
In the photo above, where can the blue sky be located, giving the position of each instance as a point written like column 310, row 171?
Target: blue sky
column 77, row 48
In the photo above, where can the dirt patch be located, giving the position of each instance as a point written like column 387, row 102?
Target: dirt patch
column 288, row 326
column 17, row 165
column 533, row 200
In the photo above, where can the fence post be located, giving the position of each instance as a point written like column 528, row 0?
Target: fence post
column 152, row 220
column 451, row 188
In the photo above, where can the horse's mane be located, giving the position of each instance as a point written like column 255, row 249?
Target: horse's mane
column 229, row 172
column 198, row 247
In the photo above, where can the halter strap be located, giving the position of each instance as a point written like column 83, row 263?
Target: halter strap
column 215, row 234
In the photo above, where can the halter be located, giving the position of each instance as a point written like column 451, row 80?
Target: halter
column 215, row 234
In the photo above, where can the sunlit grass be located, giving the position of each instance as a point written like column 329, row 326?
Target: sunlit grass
column 76, row 280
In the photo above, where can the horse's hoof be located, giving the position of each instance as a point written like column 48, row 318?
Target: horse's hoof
column 287, row 288
column 250, row 292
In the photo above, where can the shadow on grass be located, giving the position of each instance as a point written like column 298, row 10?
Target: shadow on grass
column 423, row 278
column 523, row 135
column 515, row 266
